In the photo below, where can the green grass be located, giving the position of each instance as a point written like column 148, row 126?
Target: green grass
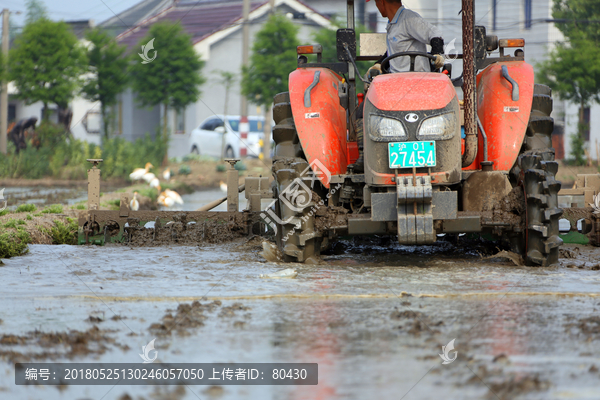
column 80, row 206
column 112, row 204
column 26, row 208
column 53, row 209
column 14, row 223
column 4, row 212
column 29, row 217
column 63, row 233
column 13, row 244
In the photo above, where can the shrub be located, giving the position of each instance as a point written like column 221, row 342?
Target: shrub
column 64, row 233
column 121, row 157
column 13, row 243
column 185, row 170
column 26, row 208
column 65, row 157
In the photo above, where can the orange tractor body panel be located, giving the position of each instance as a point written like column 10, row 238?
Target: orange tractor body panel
column 504, row 120
column 322, row 126
column 410, row 91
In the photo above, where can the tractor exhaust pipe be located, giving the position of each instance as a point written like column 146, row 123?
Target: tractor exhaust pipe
column 469, row 90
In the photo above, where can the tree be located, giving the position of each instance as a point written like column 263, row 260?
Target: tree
column 573, row 68
column 108, row 68
column 173, row 78
column 577, row 19
column 273, row 58
column 36, row 9
column 46, row 63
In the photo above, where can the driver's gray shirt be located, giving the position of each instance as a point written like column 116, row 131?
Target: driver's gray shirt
column 408, row 31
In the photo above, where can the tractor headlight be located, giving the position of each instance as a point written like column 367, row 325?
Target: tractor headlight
column 440, row 125
column 386, row 127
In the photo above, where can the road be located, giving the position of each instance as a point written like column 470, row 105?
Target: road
column 374, row 317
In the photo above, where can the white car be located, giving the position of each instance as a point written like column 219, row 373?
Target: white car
column 216, row 134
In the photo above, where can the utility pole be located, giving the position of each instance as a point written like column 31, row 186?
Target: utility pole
column 244, row 126
column 266, row 150
column 4, row 94
column 469, row 86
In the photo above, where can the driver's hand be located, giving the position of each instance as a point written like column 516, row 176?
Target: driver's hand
column 439, row 61
column 374, row 71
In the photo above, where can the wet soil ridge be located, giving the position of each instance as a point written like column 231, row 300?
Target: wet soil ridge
column 55, row 344
column 189, row 316
column 505, row 385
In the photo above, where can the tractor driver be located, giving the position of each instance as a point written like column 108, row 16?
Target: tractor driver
column 406, row 31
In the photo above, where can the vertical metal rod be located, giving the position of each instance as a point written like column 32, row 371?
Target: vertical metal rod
column 4, row 94
column 244, row 127
column 352, row 101
column 469, row 89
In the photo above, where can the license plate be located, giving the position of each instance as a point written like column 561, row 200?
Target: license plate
column 412, row 154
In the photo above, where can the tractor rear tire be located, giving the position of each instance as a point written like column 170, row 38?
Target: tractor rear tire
column 296, row 236
column 541, row 125
column 542, row 241
column 539, row 128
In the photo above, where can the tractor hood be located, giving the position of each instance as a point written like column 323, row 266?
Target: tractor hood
column 411, row 91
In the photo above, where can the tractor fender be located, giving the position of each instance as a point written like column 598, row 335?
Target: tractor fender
column 320, row 119
column 504, row 117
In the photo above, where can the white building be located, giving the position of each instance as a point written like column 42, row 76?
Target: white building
column 216, row 29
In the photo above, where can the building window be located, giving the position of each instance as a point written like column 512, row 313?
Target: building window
column 180, row 121
column 528, row 14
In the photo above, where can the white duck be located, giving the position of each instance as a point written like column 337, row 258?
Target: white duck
column 155, row 183
column 167, row 174
column 134, row 204
column 138, row 173
column 148, row 177
column 173, row 195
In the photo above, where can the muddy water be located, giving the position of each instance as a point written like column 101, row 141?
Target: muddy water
column 374, row 319
column 43, row 195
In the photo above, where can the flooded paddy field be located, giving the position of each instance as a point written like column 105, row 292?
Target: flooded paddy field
column 374, row 317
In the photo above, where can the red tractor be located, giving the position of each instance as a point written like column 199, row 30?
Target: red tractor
column 423, row 176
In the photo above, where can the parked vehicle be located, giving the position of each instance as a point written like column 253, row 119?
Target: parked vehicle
column 217, row 134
